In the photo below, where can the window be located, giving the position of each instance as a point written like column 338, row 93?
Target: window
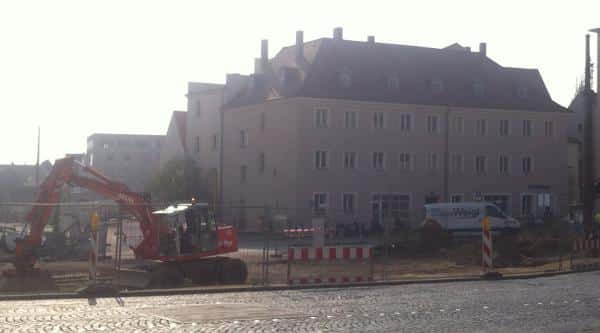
column 378, row 120
column 127, row 157
column 504, row 126
column 106, row 146
column 197, row 144
column 110, row 156
column 322, row 118
column 405, row 122
column 345, row 78
column 261, row 163
column 243, row 138
column 580, row 128
column 503, row 165
column 478, row 89
column 527, row 127
column 263, row 120
column 481, row 127
column 320, row 203
column 458, row 125
column 215, row 142
column 527, row 205
column 526, row 165
column 350, row 119
column 549, row 128
column 349, row 202
column 456, row 198
column 480, row 165
column 432, row 124
column 393, row 82
column 522, row 91
column 378, row 160
column 243, row 172
column 405, row 162
column 457, row 163
column 436, row 86
column 432, row 161
column 198, row 109
column 321, row 161
column 349, row 160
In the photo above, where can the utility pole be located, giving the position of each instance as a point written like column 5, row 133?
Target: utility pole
column 37, row 163
column 447, row 155
column 588, row 146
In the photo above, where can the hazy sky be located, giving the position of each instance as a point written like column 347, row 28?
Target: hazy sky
column 79, row 67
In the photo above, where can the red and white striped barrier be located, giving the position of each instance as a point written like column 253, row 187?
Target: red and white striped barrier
column 330, row 280
column 586, row 244
column 298, row 232
column 329, row 253
column 486, row 244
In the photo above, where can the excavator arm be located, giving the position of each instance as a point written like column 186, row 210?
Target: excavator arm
column 67, row 171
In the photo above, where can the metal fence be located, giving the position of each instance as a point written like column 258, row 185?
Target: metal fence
column 278, row 250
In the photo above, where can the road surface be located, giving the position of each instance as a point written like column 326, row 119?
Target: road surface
column 568, row 303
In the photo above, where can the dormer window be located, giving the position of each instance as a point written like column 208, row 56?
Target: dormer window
column 393, row 82
column 522, row 91
column 345, row 78
column 436, row 85
column 478, row 89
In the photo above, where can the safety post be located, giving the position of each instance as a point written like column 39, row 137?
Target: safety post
column 94, row 226
column 487, row 251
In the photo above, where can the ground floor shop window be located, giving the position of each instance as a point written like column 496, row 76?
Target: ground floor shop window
column 526, row 205
column 389, row 205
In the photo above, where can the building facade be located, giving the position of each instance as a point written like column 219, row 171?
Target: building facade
column 359, row 131
column 131, row 159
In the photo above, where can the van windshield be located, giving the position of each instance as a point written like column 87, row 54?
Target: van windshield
column 492, row 211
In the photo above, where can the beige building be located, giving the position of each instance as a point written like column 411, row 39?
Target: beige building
column 363, row 130
column 131, row 159
column 174, row 144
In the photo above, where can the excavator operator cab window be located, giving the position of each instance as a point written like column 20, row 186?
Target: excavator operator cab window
column 201, row 230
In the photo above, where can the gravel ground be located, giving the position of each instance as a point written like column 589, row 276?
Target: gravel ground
column 568, row 303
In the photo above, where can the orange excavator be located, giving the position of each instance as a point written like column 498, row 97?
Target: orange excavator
column 178, row 242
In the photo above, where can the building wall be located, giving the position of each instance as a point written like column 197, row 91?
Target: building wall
column 574, row 157
column 276, row 185
column 203, row 123
column 130, row 159
column 292, row 144
column 172, row 147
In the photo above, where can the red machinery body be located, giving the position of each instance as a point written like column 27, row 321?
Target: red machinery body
column 67, row 171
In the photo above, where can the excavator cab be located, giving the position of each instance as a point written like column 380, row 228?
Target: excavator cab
column 192, row 229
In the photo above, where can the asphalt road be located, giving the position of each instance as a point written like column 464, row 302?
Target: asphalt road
column 568, row 303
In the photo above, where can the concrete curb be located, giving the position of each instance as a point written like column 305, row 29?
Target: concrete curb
column 212, row 290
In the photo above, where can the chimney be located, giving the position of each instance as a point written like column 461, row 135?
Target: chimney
column 483, row 49
column 371, row 39
column 257, row 65
column 299, row 45
column 338, row 33
column 264, row 55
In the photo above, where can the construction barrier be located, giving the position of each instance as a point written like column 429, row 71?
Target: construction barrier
column 580, row 245
column 298, row 232
column 487, row 249
column 330, row 254
column 586, row 244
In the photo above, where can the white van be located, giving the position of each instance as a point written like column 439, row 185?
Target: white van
column 464, row 218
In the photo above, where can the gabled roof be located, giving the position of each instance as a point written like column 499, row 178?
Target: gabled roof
column 371, row 65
